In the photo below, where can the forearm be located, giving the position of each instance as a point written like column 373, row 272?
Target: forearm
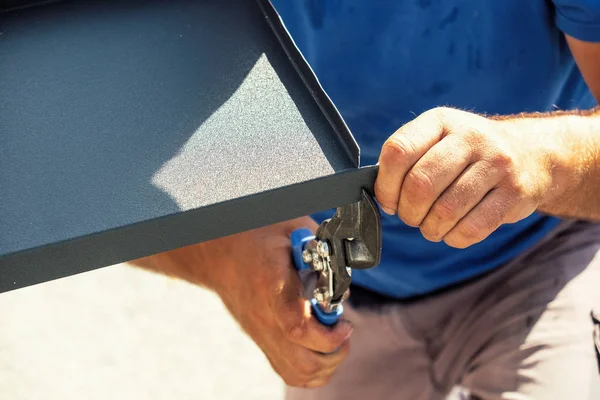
column 571, row 141
column 183, row 263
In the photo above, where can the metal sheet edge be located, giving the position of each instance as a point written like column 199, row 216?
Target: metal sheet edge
column 30, row 267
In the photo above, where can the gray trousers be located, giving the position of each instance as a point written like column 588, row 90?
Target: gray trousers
column 524, row 331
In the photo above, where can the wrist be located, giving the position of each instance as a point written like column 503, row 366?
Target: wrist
column 178, row 263
column 556, row 150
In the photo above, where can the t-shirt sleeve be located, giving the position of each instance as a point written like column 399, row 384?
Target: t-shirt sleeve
column 579, row 18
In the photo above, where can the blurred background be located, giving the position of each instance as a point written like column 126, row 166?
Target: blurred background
column 124, row 333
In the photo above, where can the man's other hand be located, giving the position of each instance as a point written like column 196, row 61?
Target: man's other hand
column 458, row 176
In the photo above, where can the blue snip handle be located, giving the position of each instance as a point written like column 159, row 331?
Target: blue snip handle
column 300, row 237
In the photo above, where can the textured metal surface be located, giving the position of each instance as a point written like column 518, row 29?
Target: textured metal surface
column 133, row 127
column 309, row 78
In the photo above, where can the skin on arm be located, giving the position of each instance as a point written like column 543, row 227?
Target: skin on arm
column 458, row 176
column 581, row 167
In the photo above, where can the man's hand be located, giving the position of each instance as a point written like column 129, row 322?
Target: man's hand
column 459, row 176
column 264, row 294
column 253, row 274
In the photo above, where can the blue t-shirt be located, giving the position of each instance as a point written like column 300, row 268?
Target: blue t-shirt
column 382, row 62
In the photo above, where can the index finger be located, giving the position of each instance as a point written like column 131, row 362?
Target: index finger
column 401, row 151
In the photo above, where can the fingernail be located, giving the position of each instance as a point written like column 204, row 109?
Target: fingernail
column 388, row 211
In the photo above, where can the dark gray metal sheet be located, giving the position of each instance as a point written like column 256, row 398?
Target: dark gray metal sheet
column 132, row 127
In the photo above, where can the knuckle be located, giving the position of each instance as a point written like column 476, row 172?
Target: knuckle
column 416, row 190
column 510, row 193
column 475, row 139
column 383, row 196
column 418, row 185
column 439, row 112
column 297, row 329
column 397, row 151
column 501, row 161
column 439, row 115
column 470, row 230
column 308, row 368
column 444, row 210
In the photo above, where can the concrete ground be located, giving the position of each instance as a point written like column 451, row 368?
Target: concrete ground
column 124, row 333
